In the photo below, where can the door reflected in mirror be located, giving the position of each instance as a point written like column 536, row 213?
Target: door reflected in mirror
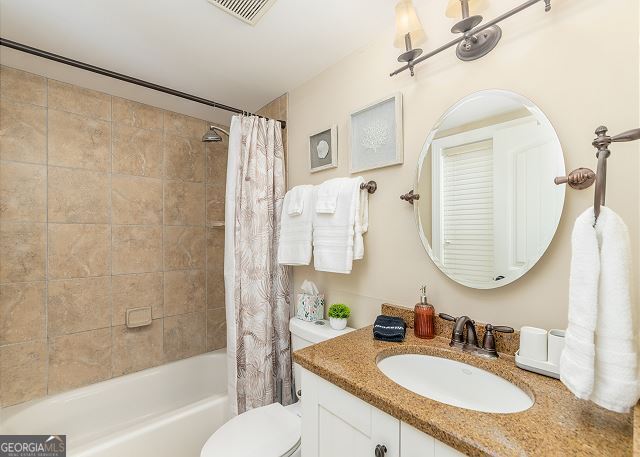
column 488, row 206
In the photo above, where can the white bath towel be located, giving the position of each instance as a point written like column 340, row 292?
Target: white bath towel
column 296, row 227
column 327, row 196
column 600, row 362
column 334, row 235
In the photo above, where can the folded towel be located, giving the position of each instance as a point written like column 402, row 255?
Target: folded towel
column 334, row 234
column 295, row 243
column 389, row 328
column 600, row 362
column 295, row 198
column 327, row 195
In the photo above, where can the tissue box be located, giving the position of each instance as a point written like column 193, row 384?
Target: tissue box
column 310, row 307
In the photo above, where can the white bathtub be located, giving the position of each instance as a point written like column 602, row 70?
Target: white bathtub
column 167, row 411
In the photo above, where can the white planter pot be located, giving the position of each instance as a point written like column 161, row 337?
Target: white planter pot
column 337, row 324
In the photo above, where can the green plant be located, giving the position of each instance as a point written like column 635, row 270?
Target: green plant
column 339, row 311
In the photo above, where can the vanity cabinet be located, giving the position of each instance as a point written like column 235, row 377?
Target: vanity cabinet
column 336, row 423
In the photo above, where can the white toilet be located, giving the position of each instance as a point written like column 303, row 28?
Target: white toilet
column 272, row 430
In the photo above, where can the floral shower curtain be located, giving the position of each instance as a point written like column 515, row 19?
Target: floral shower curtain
column 257, row 288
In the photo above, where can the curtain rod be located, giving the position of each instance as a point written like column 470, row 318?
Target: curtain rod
column 121, row 77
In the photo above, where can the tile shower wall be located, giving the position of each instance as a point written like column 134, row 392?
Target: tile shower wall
column 105, row 205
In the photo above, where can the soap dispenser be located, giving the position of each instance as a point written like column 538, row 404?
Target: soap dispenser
column 424, row 317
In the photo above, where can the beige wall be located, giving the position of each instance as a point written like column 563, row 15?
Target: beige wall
column 578, row 63
column 105, row 205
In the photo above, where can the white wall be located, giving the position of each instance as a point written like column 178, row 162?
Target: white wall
column 578, row 63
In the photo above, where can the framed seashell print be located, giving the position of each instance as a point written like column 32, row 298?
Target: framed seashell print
column 375, row 135
column 323, row 149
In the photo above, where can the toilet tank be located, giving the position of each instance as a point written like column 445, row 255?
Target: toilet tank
column 305, row 334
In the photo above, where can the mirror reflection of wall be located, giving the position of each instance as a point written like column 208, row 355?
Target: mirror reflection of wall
column 488, row 206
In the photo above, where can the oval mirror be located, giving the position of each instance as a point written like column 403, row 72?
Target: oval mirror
column 488, row 206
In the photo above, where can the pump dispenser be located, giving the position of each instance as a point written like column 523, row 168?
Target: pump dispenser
column 424, row 317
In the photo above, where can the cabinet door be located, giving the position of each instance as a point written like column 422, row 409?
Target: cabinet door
column 336, row 424
column 414, row 443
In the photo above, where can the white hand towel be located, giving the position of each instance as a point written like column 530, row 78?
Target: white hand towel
column 361, row 220
column 327, row 195
column 295, row 242
column 616, row 361
column 334, row 233
column 600, row 361
column 577, row 359
column 294, row 204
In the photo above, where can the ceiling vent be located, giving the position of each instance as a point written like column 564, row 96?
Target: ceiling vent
column 249, row 11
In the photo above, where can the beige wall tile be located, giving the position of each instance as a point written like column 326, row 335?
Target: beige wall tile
column 181, row 125
column 184, row 248
column 215, row 289
column 136, row 114
column 23, row 248
column 184, row 158
column 75, row 99
column 22, row 312
column 135, row 349
column 22, row 86
column 136, row 200
column 23, row 372
column 79, row 359
column 78, row 196
column 79, row 250
column 23, row 190
column 184, row 203
column 77, row 305
column 76, row 141
column 217, row 154
column 215, row 249
column 137, row 151
column 137, row 249
column 23, row 132
column 184, row 292
column 136, row 291
column 216, row 329
column 184, row 335
column 215, row 206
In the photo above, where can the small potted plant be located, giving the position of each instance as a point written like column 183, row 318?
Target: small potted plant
column 338, row 315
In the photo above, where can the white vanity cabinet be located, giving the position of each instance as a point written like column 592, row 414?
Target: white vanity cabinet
column 338, row 424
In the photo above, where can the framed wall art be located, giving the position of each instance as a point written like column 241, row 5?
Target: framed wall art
column 323, row 149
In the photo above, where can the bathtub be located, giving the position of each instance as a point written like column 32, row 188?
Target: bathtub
column 166, row 411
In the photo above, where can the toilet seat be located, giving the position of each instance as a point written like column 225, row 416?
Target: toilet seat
column 269, row 431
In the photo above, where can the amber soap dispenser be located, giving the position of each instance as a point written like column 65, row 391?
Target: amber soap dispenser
column 424, row 317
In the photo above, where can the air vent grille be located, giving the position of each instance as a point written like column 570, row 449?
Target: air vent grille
column 249, row 11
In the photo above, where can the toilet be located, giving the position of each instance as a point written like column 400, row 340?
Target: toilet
column 272, row 430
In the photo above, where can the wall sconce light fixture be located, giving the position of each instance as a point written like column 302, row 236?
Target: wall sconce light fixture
column 409, row 32
column 475, row 40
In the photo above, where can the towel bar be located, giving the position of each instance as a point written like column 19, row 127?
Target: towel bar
column 582, row 178
column 370, row 186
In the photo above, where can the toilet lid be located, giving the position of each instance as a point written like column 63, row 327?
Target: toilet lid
column 269, row 431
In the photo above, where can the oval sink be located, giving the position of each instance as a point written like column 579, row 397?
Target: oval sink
column 455, row 383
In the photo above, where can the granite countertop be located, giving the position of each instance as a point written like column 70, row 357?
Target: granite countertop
column 557, row 423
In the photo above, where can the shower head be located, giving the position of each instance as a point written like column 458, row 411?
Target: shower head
column 212, row 136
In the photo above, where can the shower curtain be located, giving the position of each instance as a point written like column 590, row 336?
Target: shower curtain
column 256, row 287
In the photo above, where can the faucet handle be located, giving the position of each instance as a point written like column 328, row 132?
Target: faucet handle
column 447, row 317
column 500, row 328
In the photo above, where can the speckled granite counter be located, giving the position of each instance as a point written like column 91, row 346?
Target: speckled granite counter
column 556, row 425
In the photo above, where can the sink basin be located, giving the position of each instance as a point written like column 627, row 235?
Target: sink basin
column 455, row 383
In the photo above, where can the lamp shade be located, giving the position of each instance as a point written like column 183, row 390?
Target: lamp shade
column 407, row 22
column 454, row 9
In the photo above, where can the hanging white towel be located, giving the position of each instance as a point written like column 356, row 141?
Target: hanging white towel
column 334, row 235
column 327, row 196
column 600, row 361
column 361, row 221
column 296, row 226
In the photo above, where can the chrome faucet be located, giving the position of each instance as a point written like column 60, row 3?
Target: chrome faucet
column 468, row 342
